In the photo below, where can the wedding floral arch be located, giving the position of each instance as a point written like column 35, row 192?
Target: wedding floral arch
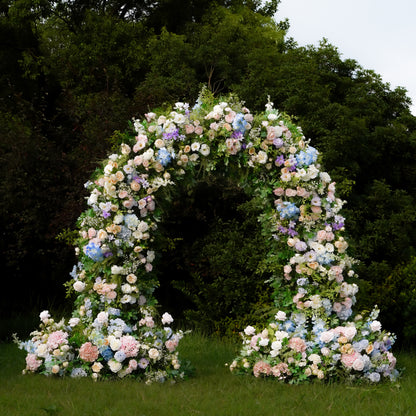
column 115, row 329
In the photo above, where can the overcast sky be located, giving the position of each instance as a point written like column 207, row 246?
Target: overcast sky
column 379, row 34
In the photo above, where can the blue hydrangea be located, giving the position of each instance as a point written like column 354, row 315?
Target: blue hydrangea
column 288, row 210
column 120, row 356
column 239, row 123
column 94, row 252
column 107, row 353
column 307, row 157
column 78, row 372
column 164, row 156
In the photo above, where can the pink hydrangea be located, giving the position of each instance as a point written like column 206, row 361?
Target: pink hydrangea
column 56, row 339
column 281, row 371
column 88, row 352
column 297, row 344
column 32, row 362
column 261, row 368
column 129, row 345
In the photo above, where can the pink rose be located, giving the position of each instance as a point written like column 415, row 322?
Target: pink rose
column 171, row 345
column 291, row 192
column 230, row 117
column 279, row 191
column 189, row 128
column 321, row 235
column 88, row 352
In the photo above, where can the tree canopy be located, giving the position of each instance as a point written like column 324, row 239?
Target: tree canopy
column 72, row 73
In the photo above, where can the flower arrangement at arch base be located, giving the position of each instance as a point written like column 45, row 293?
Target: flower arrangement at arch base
column 115, row 329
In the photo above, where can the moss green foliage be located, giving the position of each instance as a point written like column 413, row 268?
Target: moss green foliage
column 72, row 73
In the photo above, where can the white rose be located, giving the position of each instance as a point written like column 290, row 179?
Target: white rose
column 195, row 146
column 79, row 286
column 118, row 219
column 102, row 317
column 42, row 350
column 125, row 299
column 73, row 322
column 131, row 278
column 167, row 319
column 44, row 315
column 249, row 330
column 262, row 157
column 125, row 149
column 276, row 345
column 126, row 288
column 115, row 343
column 143, row 226
column 280, row 316
column 204, row 150
column 280, row 335
column 264, row 342
column 375, row 326
column 153, row 353
column 116, row 270
column 148, row 154
column 315, row 358
column 114, row 365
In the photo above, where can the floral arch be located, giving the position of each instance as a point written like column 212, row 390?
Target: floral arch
column 115, row 330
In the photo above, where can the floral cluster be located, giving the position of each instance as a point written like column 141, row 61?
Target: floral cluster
column 113, row 327
column 291, row 351
column 111, row 349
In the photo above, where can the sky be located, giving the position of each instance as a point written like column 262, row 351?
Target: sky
column 378, row 34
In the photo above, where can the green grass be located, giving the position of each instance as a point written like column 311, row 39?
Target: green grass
column 212, row 391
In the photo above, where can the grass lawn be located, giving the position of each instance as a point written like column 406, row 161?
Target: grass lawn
column 212, row 391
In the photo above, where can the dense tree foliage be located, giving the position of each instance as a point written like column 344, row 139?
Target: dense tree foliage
column 73, row 72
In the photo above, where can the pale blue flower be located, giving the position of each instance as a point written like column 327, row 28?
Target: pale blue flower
column 94, row 252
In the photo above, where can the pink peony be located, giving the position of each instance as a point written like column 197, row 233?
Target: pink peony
column 348, row 359
column 261, row 368
column 56, row 338
column 32, row 362
column 129, row 345
column 88, row 352
column 297, row 344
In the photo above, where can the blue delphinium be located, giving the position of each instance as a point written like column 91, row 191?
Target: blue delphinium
column 239, row 123
column 164, row 156
column 288, row 210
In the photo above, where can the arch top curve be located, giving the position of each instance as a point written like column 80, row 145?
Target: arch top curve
column 306, row 252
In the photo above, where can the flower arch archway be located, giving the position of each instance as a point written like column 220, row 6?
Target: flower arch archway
column 115, row 330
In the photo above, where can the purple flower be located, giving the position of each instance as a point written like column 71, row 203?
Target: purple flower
column 106, row 214
column 143, row 363
column 278, row 142
column 280, row 160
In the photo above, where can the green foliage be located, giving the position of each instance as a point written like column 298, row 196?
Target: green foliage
column 210, row 267
column 398, row 296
